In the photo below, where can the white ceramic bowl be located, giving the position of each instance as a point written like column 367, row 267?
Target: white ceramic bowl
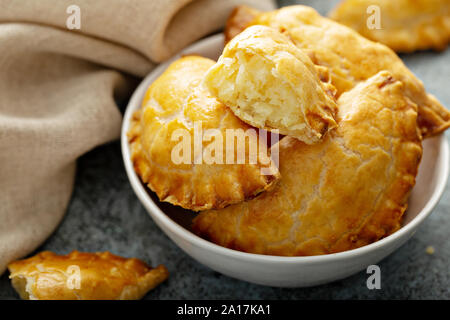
column 275, row 270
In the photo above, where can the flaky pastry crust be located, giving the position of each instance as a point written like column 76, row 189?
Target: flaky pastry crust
column 343, row 193
column 271, row 84
column 177, row 100
column 405, row 25
column 351, row 58
column 83, row 276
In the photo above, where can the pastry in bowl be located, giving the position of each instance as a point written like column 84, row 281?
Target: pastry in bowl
column 347, row 191
column 404, row 25
column 172, row 138
column 271, row 84
column 350, row 57
column 84, row 276
column 238, row 20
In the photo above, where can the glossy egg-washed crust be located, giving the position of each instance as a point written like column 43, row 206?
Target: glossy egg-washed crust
column 343, row 193
column 350, row 57
column 271, row 84
column 176, row 101
column 405, row 25
column 102, row 276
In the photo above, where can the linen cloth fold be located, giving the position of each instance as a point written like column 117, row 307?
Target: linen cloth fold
column 59, row 87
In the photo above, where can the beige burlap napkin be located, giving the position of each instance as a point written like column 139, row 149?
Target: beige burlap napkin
column 62, row 66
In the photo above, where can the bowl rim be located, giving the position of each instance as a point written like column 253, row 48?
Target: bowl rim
column 141, row 192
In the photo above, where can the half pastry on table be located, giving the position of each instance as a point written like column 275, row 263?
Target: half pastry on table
column 347, row 191
column 350, row 57
column 83, row 276
column 178, row 111
column 402, row 25
column 271, row 84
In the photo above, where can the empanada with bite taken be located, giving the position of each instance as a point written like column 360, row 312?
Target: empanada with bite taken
column 271, row 84
column 343, row 193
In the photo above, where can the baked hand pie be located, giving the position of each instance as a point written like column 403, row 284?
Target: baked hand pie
column 350, row 58
column 83, row 276
column 271, row 84
column 345, row 192
column 404, row 25
column 180, row 143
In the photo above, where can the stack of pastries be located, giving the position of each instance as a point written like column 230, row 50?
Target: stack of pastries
column 351, row 119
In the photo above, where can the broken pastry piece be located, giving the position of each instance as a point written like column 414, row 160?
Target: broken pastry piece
column 271, row 84
column 351, row 58
column 402, row 25
column 343, row 193
column 173, row 140
column 83, row 276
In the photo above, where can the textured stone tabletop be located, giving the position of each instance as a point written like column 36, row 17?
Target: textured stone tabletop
column 104, row 214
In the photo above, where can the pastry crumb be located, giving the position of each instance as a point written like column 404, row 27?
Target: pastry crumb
column 429, row 250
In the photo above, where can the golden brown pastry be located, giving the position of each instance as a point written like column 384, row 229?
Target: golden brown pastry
column 271, row 84
column 404, row 25
column 239, row 19
column 352, row 58
column 83, row 276
column 343, row 193
column 174, row 137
